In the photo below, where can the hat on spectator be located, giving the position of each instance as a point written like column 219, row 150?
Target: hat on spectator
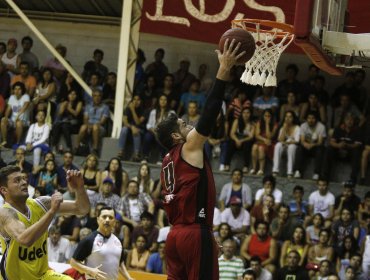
column 13, row 40
column 108, row 180
column 235, row 201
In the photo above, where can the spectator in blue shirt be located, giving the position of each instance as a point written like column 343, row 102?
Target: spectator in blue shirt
column 157, row 263
column 298, row 207
column 266, row 101
column 193, row 95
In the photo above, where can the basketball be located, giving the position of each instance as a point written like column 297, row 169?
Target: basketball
column 244, row 37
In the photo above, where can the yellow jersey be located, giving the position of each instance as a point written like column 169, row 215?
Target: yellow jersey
column 25, row 263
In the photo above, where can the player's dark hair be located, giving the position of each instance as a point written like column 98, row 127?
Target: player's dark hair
column 21, row 85
column 99, row 51
column 255, row 259
column 5, row 172
column 106, row 208
column 27, row 38
column 269, row 178
column 298, row 188
column 164, row 130
column 250, row 272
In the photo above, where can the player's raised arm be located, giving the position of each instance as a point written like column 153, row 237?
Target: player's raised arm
column 227, row 59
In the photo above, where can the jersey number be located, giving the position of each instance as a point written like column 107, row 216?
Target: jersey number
column 169, row 177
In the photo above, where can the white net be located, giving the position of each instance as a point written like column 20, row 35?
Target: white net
column 261, row 68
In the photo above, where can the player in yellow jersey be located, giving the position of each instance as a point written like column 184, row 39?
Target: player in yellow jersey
column 24, row 223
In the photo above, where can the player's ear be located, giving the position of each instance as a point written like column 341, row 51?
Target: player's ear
column 176, row 136
column 3, row 190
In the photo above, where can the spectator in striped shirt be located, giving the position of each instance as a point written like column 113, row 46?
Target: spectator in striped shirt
column 238, row 104
column 230, row 266
column 266, row 101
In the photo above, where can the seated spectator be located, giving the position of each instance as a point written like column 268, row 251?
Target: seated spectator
column 347, row 199
column 249, row 274
column 133, row 124
column 95, row 117
column 216, row 219
column 122, row 231
column 173, row 98
column 320, row 252
column 288, row 141
column 237, row 105
column 289, row 84
column 217, row 144
column 319, row 89
column 95, row 66
column 366, row 251
column 282, row 227
column 349, row 248
column 237, row 217
column 193, row 95
column 2, row 49
column 224, row 232
column 292, row 270
column 346, row 142
column 264, row 211
column 323, row 270
column 347, row 107
column 261, row 273
column 48, row 178
column 68, row 121
column 156, row 115
column 134, row 203
column 59, row 248
column 10, row 58
column 91, row 175
column 146, row 183
column 137, row 258
column 118, row 175
column 364, row 210
column 68, row 85
column 298, row 207
column 16, row 114
column 241, row 138
column 21, row 161
column 309, row 84
column 109, row 90
column 355, row 264
column 266, row 101
column 106, row 195
column 313, row 105
column 70, row 227
column 266, row 130
column 26, row 78
column 313, row 230
column 297, row 243
column 148, row 94
column 260, row 244
column 345, row 226
column 27, row 55
column 63, row 168
column 191, row 117
column 92, row 222
column 230, row 266
column 148, row 229
column 37, row 138
column 269, row 187
column 157, row 261
column 45, row 92
column 291, row 105
column 235, row 188
column 365, row 159
column 312, row 135
column 4, row 85
column 157, row 68
column 183, row 79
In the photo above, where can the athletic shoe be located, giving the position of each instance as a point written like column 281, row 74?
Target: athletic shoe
column 259, row 173
column 252, row 172
column 222, row 167
column 315, row 177
column 297, row 174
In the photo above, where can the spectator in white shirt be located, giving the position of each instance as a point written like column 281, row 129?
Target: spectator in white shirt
column 237, row 217
column 216, row 219
column 59, row 247
column 269, row 188
column 322, row 201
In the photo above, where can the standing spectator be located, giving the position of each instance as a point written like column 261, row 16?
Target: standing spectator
column 16, row 114
column 59, row 247
column 313, row 135
column 157, row 68
column 4, row 81
column 297, row 242
column 290, row 84
column 237, row 105
column 106, row 195
column 261, row 244
column 109, row 90
column 148, row 229
column 347, row 199
column 11, row 59
column 269, row 188
column 157, row 261
column 37, row 138
column 95, row 117
column 62, row 170
column 322, row 201
column 192, row 95
column 183, row 78
column 118, row 175
column 346, row 142
column 68, row 121
column 101, row 251
column 27, row 55
column 191, row 117
column 261, row 273
column 133, row 124
column 266, row 130
column 292, row 270
column 288, row 141
column 156, row 115
column 230, row 266
column 236, row 188
column 242, row 136
column 282, row 227
column 266, row 101
column 291, row 105
column 45, row 91
column 21, row 161
column 26, row 78
column 313, row 105
column 95, row 66
column 345, row 226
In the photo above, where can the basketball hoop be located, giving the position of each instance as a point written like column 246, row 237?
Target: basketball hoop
column 271, row 38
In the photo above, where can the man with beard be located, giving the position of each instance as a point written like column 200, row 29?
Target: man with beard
column 292, row 270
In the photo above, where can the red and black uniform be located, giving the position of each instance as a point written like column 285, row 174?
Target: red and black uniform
column 190, row 197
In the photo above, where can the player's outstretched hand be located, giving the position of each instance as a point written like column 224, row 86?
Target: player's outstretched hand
column 228, row 58
column 98, row 274
column 74, row 179
column 56, row 200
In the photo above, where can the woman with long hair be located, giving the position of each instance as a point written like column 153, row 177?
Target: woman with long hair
column 349, row 247
column 91, row 175
column 138, row 257
column 266, row 130
column 313, row 104
column 298, row 243
column 313, row 230
column 241, row 138
column 291, row 105
column 288, row 141
column 45, row 91
column 119, row 176
column 146, row 183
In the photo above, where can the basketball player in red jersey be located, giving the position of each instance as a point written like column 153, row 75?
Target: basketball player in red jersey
column 188, row 184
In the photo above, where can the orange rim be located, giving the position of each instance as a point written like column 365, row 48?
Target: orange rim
column 286, row 28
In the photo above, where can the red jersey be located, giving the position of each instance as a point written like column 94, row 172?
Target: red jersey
column 189, row 192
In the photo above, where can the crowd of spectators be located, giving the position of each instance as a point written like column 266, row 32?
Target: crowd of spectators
column 315, row 239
